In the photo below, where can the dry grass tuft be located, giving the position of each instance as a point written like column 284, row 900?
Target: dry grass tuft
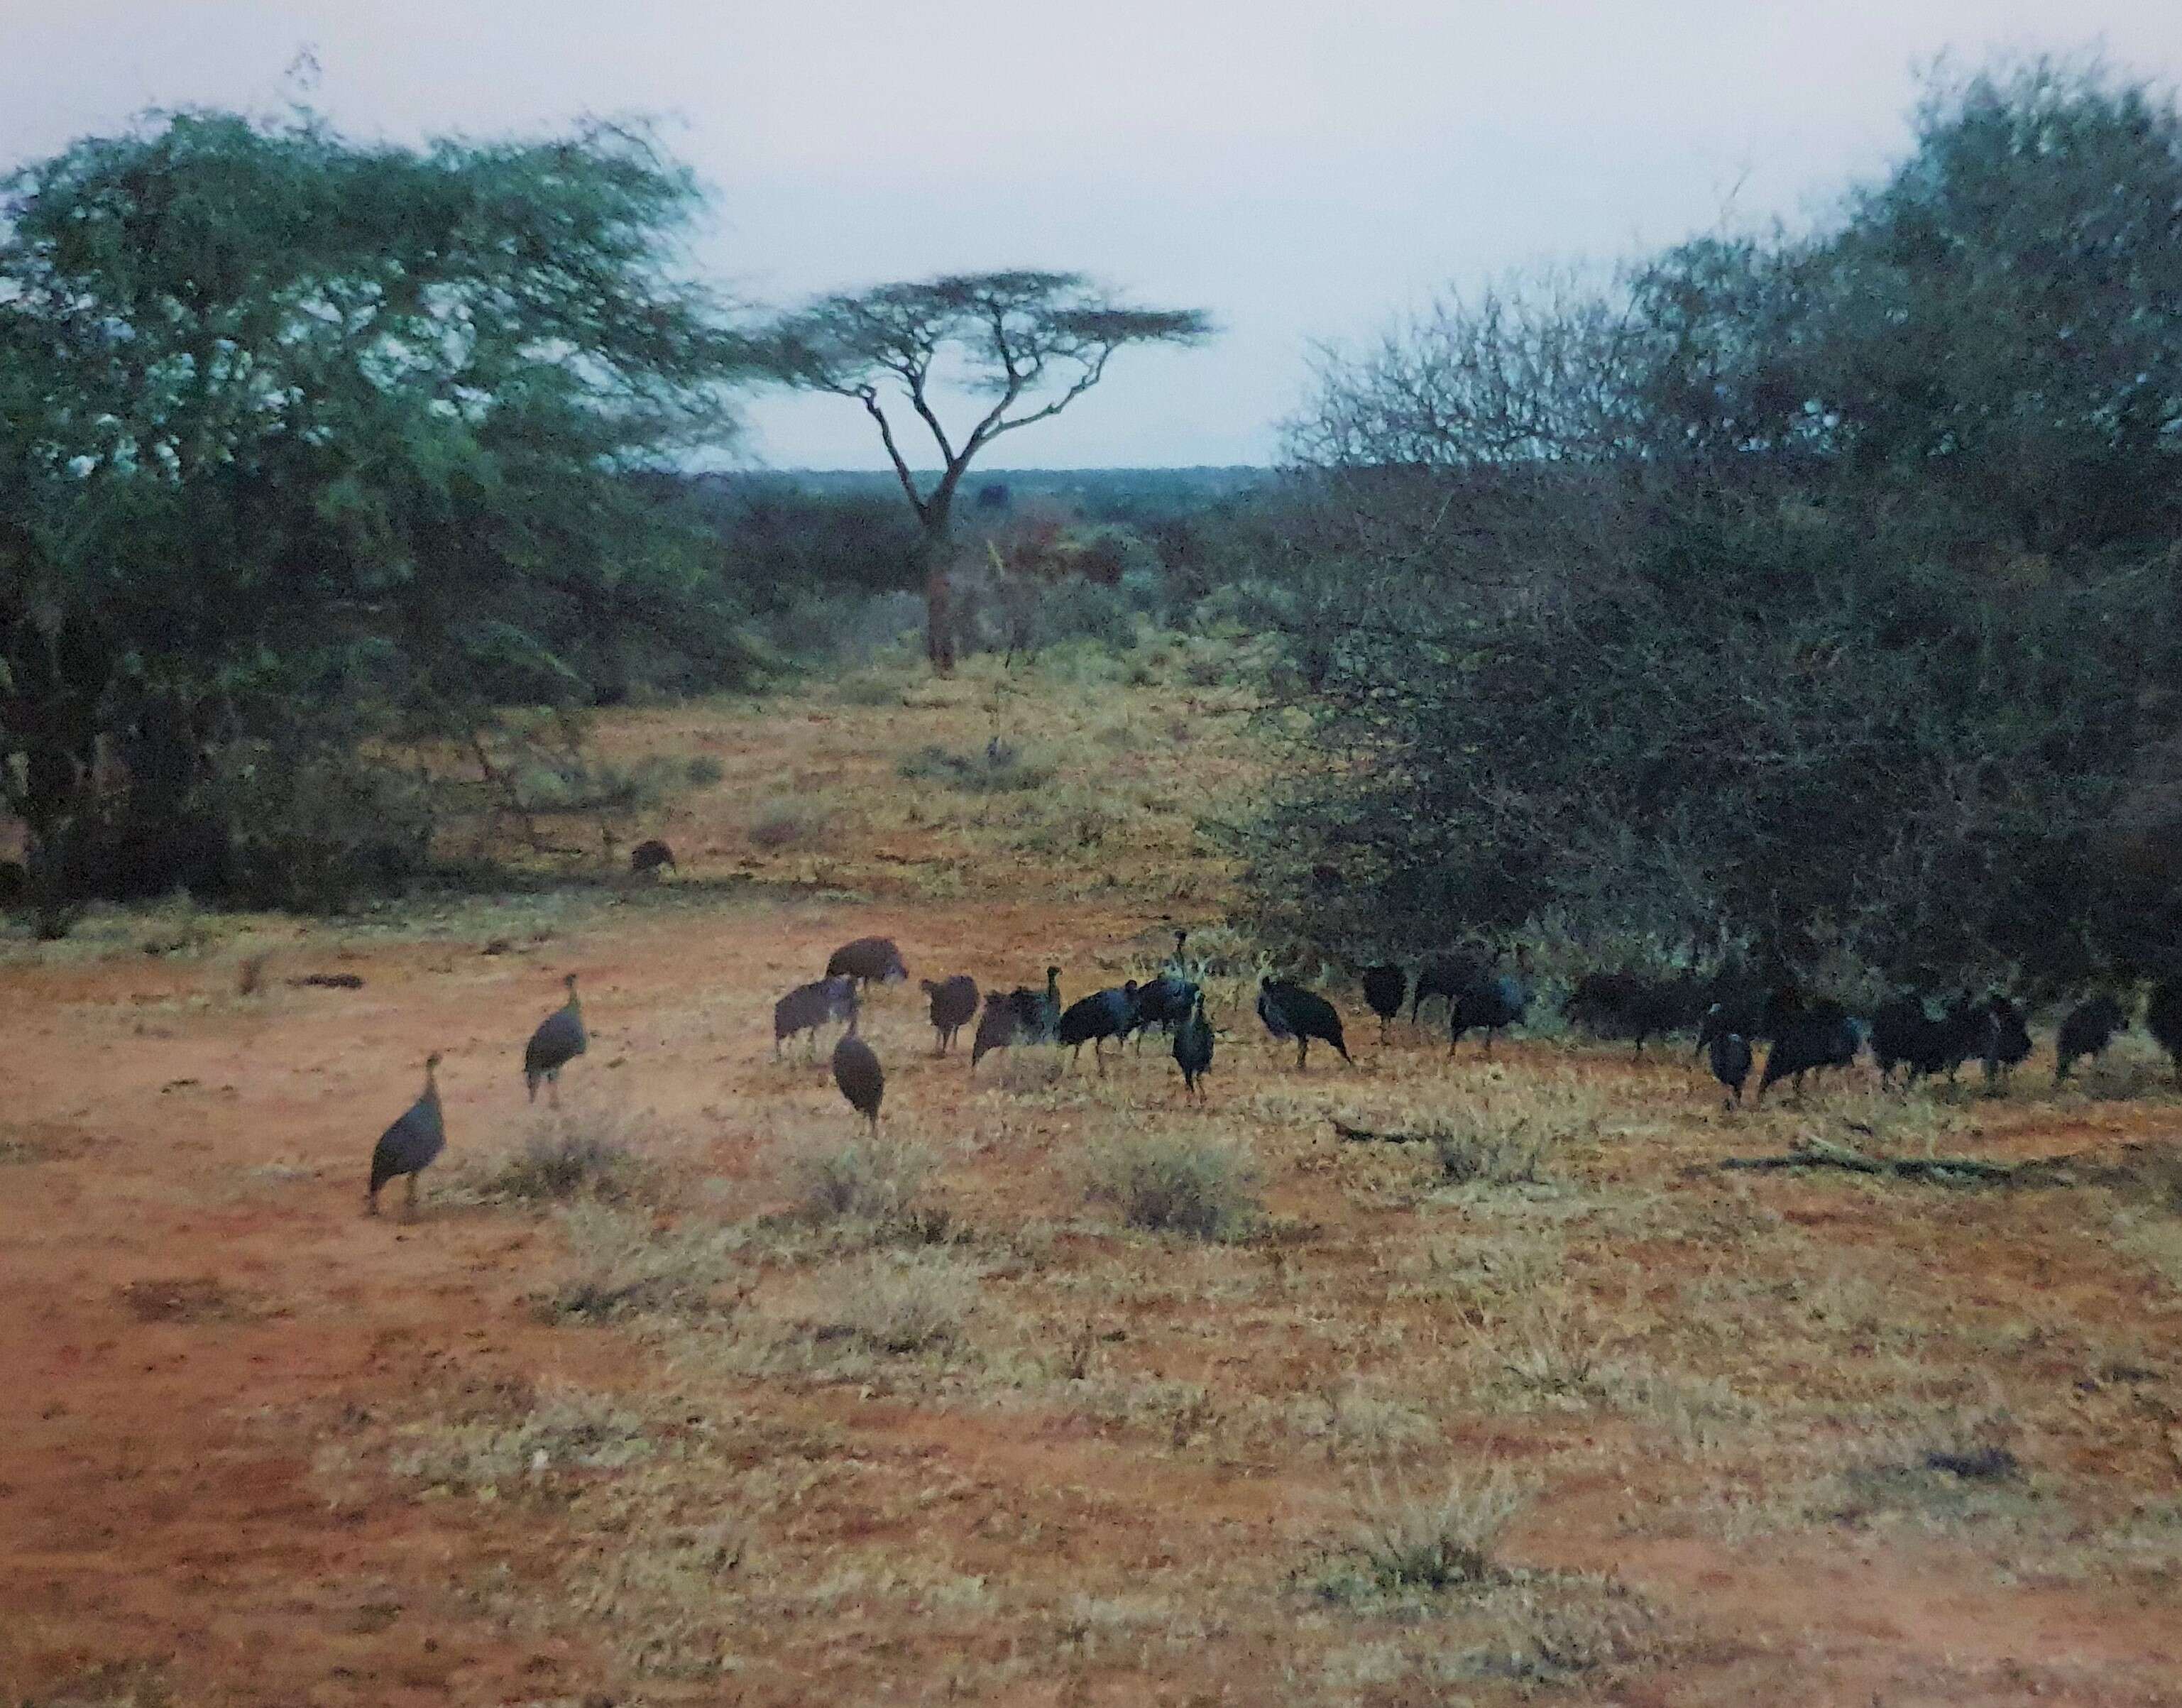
column 565, row 1431
column 574, row 1153
column 1177, row 1183
column 877, row 1187
column 627, row 1266
column 1405, row 1542
column 899, row 1303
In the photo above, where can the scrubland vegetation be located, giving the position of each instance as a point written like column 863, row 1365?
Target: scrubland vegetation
column 1796, row 604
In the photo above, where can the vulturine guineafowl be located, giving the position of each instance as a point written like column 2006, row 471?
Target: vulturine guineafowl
column 652, row 858
column 808, row 1007
column 1903, row 1034
column 1165, row 1001
column 1289, row 1010
column 862, row 1081
column 412, row 1143
column 1489, row 1002
column 1038, row 1013
column 1384, row 987
column 998, row 1027
column 954, row 1001
column 1193, row 1046
column 2008, row 1041
column 1808, row 1042
column 1094, row 1019
column 1448, row 975
column 559, row 1040
column 868, row 960
column 2086, row 1030
column 1729, row 1053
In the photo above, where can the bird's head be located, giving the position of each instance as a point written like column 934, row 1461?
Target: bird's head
column 570, row 981
column 432, row 1062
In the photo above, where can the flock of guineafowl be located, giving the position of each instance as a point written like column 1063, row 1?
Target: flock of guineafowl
column 1729, row 1011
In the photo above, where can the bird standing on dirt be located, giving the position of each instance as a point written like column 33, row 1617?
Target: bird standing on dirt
column 1289, row 1010
column 1094, row 1019
column 868, row 960
column 1384, row 987
column 1193, row 1046
column 862, row 1081
column 1730, row 1054
column 996, row 1028
column 808, row 1007
column 559, row 1040
column 411, row 1144
column 2086, row 1030
column 954, row 1001
column 1488, row 1002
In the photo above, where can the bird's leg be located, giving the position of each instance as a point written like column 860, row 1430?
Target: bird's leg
column 371, row 1202
column 1303, row 1053
column 409, row 1203
column 553, row 1089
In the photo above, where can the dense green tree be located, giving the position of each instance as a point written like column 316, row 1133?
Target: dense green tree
column 308, row 448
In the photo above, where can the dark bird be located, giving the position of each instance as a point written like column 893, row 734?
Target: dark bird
column 1193, row 1046
column 1729, row 1053
column 868, row 960
column 2008, row 1040
column 1289, row 1010
column 559, row 1040
column 1448, row 976
column 1038, row 1013
column 410, row 1146
column 2162, row 1019
column 1806, row 1043
column 954, row 1001
column 1490, row 1002
column 862, row 1081
column 998, row 1027
column 1904, row 1034
column 1384, row 987
column 2086, row 1030
column 1094, row 1019
column 1167, row 1000
column 1630, row 1005
column 808, row 1007
column 650, row 856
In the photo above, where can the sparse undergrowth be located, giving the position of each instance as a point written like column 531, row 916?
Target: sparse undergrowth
column 1177, row 1183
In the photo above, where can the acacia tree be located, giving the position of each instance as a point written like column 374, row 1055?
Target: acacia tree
column 310, row 448
column 1026, row 343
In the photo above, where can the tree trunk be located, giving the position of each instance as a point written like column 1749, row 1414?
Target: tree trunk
column 939, row 579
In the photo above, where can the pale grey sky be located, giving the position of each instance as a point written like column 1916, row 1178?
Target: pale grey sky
column 1301, row 170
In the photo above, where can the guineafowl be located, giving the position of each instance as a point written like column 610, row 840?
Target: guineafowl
column 954, row 1001
column 1094, row 1019
column 1904, row 1035
column 1730, row 1054
column 862, row 1081
column 1808, row 1042
column 650, row 856
column 2008, row 1041
column 998, row 1027
column 411, row 1144
column 868, row 960
column 1630, row 1005
column 1448, row 976
column 1193, row 1046
column 1384, row 987
column 2162, row 1019
column 808, row 1007
column 559, row 1040
column 1038, row 1013
column 1167, row 1000
column 1289, row 1010
column 1487, row 1005
column 2086, row 1030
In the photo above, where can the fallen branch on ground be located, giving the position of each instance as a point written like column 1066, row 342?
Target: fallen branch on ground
column 1947, row 1171
column 1364, row 1136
